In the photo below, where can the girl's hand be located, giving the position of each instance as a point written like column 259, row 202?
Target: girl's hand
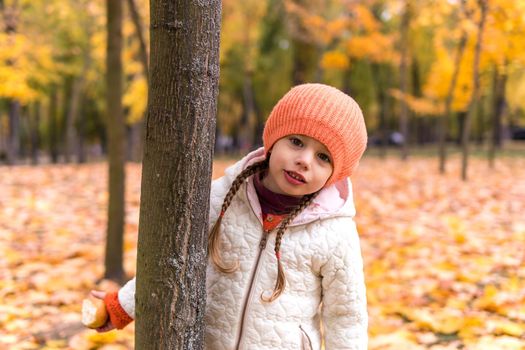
column 108, row 326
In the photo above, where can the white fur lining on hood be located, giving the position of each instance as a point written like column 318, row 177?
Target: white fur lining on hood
column 333, row 201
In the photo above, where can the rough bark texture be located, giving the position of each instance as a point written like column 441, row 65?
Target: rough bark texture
column 475, row 92
column 180, row 131
column 116, row 143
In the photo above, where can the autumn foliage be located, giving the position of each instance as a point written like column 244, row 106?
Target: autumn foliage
column 444, row 259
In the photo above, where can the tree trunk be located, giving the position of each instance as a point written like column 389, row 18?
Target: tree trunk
column 499, row 87
column 143, row 53
column 382, row 101
column 403, row 76
column 247, row 118
column 53, row 125
column 171, row 262
column 444, row 120
column 304, row 53
column 9, row 14
column 81, row 131
column 116, row 143
column 475, row 92
column 13, row 135
column 34, row 132
column 136, row 143
column 71, row 116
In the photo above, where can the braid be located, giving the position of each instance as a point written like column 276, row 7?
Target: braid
column 213, row 238
column 281, row 279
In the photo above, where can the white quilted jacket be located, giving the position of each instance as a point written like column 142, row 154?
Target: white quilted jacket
column 323, row 266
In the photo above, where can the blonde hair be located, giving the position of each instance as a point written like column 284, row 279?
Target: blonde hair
column 214, row 242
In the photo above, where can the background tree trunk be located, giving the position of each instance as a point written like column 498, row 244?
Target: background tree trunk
column 403, row 78
column 143, row 53
column 53, row 125
column 176, row 174
column 444, row 120
column 136, row 138
column 81, row 131
column 34, row 132
column 71, row 117
column 498, row 105
column 475, row 93
column 13, row 134
column 116, row 143
column 305, row 54
column 381, row 83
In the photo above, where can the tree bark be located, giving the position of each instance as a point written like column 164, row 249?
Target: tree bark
column 176, row 174
column 475, row 92
column 116, row 143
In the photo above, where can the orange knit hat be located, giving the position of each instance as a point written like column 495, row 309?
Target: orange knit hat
column 325, row 114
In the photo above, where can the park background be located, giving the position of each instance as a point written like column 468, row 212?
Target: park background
column 440, row 192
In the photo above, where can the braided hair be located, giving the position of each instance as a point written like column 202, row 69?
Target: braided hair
column 281, row 279
column 213, row 239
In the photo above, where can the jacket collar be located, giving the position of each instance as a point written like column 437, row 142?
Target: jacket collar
column 333, row 201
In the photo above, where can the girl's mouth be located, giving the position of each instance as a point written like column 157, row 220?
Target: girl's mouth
column 294, row 178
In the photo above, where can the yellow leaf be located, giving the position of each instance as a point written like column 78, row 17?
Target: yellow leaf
column 335, row 60
column 507, row 328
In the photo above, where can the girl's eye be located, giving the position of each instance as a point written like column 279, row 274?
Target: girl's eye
column 295, row 141
column 324, row 157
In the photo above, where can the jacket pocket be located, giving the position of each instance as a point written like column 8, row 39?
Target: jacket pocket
column 306, row 342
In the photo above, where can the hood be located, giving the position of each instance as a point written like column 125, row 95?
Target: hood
column 333, row 201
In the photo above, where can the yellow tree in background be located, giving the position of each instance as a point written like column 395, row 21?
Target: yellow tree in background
column 501, row 52
column 240, row 37
column 53, row 54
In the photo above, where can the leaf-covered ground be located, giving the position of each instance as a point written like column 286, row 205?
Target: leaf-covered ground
column 444, row 259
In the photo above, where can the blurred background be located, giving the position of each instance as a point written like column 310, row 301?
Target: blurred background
column 438, row 80
column 407, row 63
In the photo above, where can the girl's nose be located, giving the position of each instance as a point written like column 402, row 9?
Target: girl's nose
column 304, row 159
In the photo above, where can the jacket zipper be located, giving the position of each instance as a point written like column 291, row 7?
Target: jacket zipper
column 262, row 246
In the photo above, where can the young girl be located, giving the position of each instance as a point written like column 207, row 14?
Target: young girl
column 284, row 250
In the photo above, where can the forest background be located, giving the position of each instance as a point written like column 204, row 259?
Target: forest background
column 432, row 77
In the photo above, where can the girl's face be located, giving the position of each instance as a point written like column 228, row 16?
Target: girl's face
column 299, row 165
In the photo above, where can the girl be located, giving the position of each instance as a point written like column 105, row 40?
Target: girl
column 284, row 250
